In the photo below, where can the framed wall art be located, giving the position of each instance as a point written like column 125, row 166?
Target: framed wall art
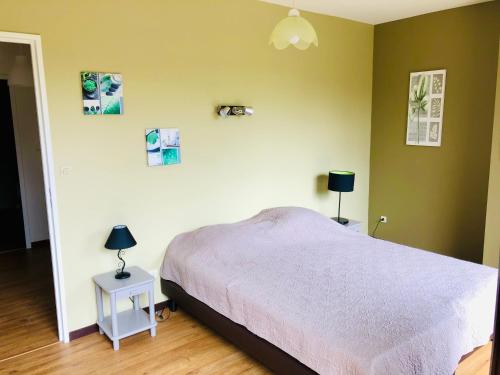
column 425, row 108
column 102, row 93
column 163, row 147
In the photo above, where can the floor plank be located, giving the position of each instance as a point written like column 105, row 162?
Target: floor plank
column 182, row 346
column 28, row 316
column 477, row 364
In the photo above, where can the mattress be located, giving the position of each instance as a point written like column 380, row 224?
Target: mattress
column 339, row 301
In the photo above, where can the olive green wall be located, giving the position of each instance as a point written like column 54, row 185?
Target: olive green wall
column 179, row 59
column 492, row 234
column 435, row 198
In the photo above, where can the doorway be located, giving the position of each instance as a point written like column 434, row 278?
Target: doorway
column 30, row 264
column 28, row 320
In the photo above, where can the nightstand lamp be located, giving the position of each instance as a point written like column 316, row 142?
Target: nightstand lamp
column 342, row 182
column 119, row 239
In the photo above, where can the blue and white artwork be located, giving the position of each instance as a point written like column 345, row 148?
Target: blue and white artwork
column 163, row 147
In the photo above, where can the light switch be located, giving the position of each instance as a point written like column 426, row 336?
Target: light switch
column 65, row 171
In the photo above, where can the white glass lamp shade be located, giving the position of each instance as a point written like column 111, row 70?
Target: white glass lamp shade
column 294, row 30
column 21, row 73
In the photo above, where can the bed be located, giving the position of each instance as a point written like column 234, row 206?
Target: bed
column 303, row 294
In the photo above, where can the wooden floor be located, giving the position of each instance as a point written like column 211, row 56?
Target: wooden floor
column 183, row 346
column 477, row 364
column 27, row 307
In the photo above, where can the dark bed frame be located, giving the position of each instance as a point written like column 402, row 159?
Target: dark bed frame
column 263, row 351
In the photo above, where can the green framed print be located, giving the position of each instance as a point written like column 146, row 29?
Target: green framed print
column 163, row 147
column 102, row 93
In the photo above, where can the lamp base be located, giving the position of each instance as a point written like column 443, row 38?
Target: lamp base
column 122, row 275
column 341, row 220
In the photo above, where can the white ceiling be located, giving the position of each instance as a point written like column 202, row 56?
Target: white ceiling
column 374, row 11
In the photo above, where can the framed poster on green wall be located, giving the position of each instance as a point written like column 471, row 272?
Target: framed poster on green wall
column 425, row 108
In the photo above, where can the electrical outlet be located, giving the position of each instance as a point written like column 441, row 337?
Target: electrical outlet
column 383, row 219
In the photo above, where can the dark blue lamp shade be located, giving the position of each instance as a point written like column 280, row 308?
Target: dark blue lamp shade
column 342, row 182
column 120, row 238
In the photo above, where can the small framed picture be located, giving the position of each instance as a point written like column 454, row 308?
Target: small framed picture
column 102, row 93
column 163, row 147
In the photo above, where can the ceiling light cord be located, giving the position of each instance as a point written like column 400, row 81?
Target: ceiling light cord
column 376, row 227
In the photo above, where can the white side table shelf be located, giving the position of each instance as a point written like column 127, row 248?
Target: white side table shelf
column 120, row 325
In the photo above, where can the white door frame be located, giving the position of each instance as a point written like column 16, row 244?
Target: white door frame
column 35, row 43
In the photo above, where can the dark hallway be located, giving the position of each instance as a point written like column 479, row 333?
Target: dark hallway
column 11, row 214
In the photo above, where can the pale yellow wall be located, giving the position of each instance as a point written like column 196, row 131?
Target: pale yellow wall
column 492, row 235
column 179, row 59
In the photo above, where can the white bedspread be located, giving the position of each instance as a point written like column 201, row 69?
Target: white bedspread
column 339, row 301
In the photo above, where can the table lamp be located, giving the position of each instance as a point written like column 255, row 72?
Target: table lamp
column 342, row 182
column 120, row 238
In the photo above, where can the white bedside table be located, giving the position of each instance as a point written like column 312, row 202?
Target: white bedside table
column 120, row 325
column 353, row 225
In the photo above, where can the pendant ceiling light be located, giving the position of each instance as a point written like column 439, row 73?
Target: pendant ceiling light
column 294, row 30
